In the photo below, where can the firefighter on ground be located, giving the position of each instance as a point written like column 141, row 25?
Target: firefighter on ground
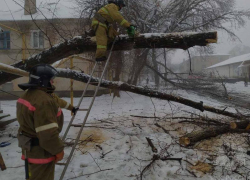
column 41, row 120
column 104, row 31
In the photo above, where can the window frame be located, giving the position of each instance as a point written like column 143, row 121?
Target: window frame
column 32, row 39
column 5, row 41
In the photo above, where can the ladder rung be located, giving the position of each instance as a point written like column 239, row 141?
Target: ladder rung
column 69, row 143
column 61, row 164
column 87, row 114
column 83, row 109
column 76, row 125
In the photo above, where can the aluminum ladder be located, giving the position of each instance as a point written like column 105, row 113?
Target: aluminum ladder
column 87, row 110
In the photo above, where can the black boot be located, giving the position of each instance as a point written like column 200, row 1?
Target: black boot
column 103, row 58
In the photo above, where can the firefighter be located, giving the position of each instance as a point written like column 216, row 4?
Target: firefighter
column 104, row 31
column 41, row 120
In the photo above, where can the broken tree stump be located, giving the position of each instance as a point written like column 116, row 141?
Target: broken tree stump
column 196, row 136
column 2, row 164
column 240, row 125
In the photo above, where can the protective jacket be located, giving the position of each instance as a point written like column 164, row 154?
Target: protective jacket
column 111, row 14
column 103, row 30
column 40, row 117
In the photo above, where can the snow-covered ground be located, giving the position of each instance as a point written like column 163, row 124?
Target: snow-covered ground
column 114, row 144
column 238, row 87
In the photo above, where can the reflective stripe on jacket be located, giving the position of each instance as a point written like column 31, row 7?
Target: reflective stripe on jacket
column 40, row 161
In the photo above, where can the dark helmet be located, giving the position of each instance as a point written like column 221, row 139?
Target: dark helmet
column 117, row 2
column 40, row 76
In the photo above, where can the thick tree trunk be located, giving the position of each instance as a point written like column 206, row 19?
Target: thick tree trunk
column 117, row 65
column 161, row 76
column 155, row 65
column 79, row 76
column 80, row 45
column 240, row 125
column 76, row 75
column 197, row 136
column 194, row 137
column 139, row 64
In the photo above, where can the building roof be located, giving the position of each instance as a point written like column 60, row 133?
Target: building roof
column 209, row 55
column 13, row 10
column 237, row 59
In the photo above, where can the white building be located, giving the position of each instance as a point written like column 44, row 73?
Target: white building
column 199, row 63
column 236, row 67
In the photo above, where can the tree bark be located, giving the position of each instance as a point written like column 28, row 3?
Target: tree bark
column 194, row 137
column 2, row 164
column 155, row 65
column 76, row 75
column 161, row 76
column 197, row 136
column 5, row 123
column 117, row 65
column 79, row 76
column 139, row 64
column 150, row 143
column 240, row 125
column 80, row 45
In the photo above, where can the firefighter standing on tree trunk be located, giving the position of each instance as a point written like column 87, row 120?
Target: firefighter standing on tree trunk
column 41, row 120
column 104, row 31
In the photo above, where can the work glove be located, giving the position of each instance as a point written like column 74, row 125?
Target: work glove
column 74, row 110
column 59, row 156
column 131, row 31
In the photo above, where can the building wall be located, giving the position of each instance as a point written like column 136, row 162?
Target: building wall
column 63, row 84
column 199, row 63
column 68, row 29
column 228, row 71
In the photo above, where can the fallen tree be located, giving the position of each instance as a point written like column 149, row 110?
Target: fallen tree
column 219, row 129
column 81, row 44
column 79, row 76
column 197, row 136
column 240, row 125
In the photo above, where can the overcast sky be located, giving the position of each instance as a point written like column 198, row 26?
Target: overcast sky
column 224, row 45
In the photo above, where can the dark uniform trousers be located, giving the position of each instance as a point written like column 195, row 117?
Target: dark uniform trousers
column 42, row 171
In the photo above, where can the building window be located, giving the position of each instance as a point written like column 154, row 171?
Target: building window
column 37, row 39
column 5, row 40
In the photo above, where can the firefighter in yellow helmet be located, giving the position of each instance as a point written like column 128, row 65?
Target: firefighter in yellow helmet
column 104, row 32
column 41, row 120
